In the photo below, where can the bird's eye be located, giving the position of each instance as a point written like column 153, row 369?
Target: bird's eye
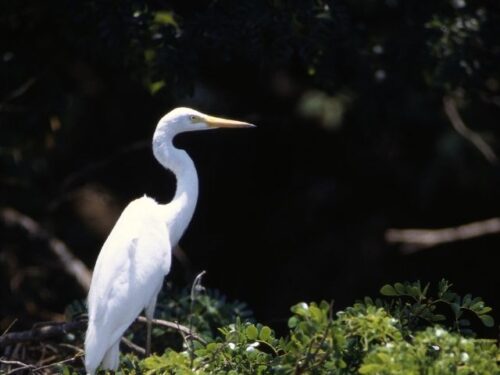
column 192, row 117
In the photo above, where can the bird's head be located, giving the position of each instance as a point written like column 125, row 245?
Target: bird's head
column 184, row 119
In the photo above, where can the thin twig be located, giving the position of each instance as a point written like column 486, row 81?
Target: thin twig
column 42, row 332
column 51, row 330
column 413, row 240
column 134, row 347
column 195, row 289
column 21, row 90
column 10, row 326
column 176, row 326
column 47, row 360
column 74, row 266
column 458, row 124
column 73, row 347
column 22, row 366
column 74, row 358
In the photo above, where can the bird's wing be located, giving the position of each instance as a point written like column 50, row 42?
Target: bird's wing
column 131, row 266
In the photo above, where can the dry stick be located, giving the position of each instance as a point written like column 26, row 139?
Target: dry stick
column 71, row 264
column 22, row 366
column 41, row 332
column 74, row 358
column 458, row 124
column 178, row 327
column 419, row 239
column 10, row 326
column 52, row 330
column 20, row 91
column 134, row 347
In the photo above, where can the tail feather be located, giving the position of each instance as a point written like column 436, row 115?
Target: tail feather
column 112, row 357
column 94, row 349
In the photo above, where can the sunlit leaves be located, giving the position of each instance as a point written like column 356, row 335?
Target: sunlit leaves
column 372, row 337
column 433, row 351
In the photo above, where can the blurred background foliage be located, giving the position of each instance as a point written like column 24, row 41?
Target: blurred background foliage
column 352, row 139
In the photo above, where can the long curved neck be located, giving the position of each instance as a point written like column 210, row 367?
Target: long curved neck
column 180, row 210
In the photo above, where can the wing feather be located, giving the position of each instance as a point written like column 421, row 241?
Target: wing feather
column 129, row 270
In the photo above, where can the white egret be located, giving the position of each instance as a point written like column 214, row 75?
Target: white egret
column 136, row 256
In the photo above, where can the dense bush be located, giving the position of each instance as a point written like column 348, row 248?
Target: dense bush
column 401, row 333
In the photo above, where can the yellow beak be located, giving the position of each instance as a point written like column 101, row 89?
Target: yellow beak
column 218, row 122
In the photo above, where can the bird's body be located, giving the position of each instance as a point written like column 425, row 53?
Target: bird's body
column 136, row 256
column 140, row 251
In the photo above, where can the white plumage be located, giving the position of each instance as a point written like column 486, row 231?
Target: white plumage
column 136, row 256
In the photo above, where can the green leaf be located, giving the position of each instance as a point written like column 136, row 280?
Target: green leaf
column 316, row 313
column 156, row 86
column 388, row 290
column 426, row 289
column 449, row 296
column 484, row 310
column 211, row 347
column 443, row 287
column 487, row 320
column 251, row 332
column 292, row 322
column 265, row 333
column 456, row 309
column 165, row 18
column 400, row 288
column 414, row 292
column 371, row 368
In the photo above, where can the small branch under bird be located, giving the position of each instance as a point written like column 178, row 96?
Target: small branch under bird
column 136, row 256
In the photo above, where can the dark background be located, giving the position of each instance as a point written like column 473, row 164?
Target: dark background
column 352, row 140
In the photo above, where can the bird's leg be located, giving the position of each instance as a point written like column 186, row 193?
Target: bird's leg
column 148, row 337
column 149, row 312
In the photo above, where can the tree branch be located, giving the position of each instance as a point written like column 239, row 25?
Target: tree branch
column 413, row 240
column 458, row 124
column 21, row 366
column 134, row 347
column 178, row 327
column 41, row 332
column 52, row 330
column 74, row 266
column 21, row 90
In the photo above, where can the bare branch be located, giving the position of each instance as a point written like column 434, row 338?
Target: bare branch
column 10, row 326
column 74, row 358
column 42, row 332
column 21, row 366
column 74, row 266
column 419, row 239
column 21, row 90
column 52, row 330
column 458, row 124
column 178, row 327
column 134, row 347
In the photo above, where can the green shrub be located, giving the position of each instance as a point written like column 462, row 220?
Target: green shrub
column 408, row 331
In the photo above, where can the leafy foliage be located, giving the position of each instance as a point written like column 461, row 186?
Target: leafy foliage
column 208, row 311
column 433, row 351
column 416, row 307
column 399, row 333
